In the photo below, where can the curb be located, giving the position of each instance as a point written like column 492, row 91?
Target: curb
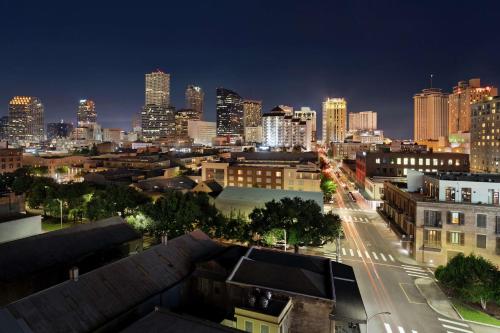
column 433, row 308
column 471, row 321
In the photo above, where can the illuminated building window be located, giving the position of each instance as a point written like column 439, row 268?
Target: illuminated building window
column 405, row 160
column 399, row 161
column 412, row 161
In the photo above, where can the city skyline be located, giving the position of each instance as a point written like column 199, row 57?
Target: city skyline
column 362, row 72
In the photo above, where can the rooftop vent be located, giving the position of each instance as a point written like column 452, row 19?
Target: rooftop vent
column 73, row 273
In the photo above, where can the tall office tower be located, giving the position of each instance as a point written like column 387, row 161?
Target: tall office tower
column 252, row 113
column 182, row 118
column 430, row 114
column 26, row 123
column 158, row 89
column 334, row 120
column 137, row 122
column 305, row 113
column 59, row 130
column 363, row 121
column 4, row 128
column 229, row 113
column 484, row 136
column 464, row 94
column 158, row 121
column 194, row 99
column 86, row 114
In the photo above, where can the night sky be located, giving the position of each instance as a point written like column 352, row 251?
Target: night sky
column 377, row 54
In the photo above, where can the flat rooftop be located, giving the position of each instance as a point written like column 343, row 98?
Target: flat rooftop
column 469, row 177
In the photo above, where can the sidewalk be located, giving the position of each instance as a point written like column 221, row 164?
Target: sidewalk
column 436, row 299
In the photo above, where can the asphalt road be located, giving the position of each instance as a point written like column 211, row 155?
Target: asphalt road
column 384, row 272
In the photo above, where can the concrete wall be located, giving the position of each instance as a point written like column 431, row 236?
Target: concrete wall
column 20, row 228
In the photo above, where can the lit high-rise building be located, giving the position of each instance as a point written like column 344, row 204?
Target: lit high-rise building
column 464, row 95
column 4, row 128
column 430, row 114
column 59, row 130
column 194, row 99
column 182, row 118
column 484, row 136
column 86, row 113
column 202, row 132
column 252, row 113
column 158, row 122
column 229, row 113
column 26, row 120
column 363, row 121
column 305, row 113
column 334, row 120
column 158, row 89
column 282, row 130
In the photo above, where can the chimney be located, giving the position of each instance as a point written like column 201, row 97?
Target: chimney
column 73, row 273
column 164, row 239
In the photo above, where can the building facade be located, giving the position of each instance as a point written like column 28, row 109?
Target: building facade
column 182, row 117
column 363, row 121
column 59, row 130
column 306, row 114
column 252, row 113
column 485, row 136
column 453, row 213
column 460, row 100
column 4, row 128
column 86, row 113
column 273, row 128
column 229, row 113
column 334, row 120
column 430, row 114
column 10, row 160
column 253, row 134
column 282, row 130
column 157, row 89
column 195, row 97
column 157, row 122
column 26, row 120
column 202, row 132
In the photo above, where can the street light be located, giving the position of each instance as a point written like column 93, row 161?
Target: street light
column 60, row 204
column 376, row 314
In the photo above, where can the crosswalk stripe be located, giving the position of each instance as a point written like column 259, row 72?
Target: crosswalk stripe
column 457, row 329
column 417, row 273
column 453, row 322
column 343, row 251
column 351, row 252
column 367, row 254
column 375, row 255
column 420, row 276
column 401, row 330
column 388, row 328
column 414, row 269
column 413, row 331
column 359, row 254
column 390, row 257
column 411, row 266
column 383, row 257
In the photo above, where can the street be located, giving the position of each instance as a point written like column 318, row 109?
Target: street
column 384, row 272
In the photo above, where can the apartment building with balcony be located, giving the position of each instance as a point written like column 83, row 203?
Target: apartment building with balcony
column 449, row 213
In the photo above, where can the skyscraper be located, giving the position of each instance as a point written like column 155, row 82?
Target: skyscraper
column 26, row 120
column 305, row 113
column 158, row 89
column 229, row 113
column 86, row 113
column 430, row 114
column 157, row 121
column 363, row 121
column 334, row 120
column 484, row 136
column 4, row 128
column 280, row 129
column 464, row 94
column 182, row 118
column 194, row 99
column 252, row 113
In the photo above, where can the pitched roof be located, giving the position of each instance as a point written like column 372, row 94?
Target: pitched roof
column 166, row 321
column 32, row 254
column 104, row 293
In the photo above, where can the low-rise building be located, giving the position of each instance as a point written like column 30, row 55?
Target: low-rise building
column 348, row 150
column 61, row 167
column 449, row 213
column 10, row 159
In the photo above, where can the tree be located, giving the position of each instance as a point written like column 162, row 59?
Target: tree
column 22, row 180
column 471, row 278
column 302, row 220
column 328, row 187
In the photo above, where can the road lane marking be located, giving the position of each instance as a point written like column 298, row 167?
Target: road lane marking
column 453, row 322
column 367, row 254
column 343, row 251
column 414, row 269
column 413, row 331
column 383, row 257
column 457, row 329
column 388, row 328
column 401, row 285
column 352, row 253
column 375, row 255
column 359, row 254
column 401, row 330
column 390, row 257
column 420, row 276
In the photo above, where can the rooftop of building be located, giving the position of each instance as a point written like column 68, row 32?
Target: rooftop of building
column 14, row 216
column 261, row 195
column 28, row 255
column 468, row 177
column 276, row 156
column 162, row 183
